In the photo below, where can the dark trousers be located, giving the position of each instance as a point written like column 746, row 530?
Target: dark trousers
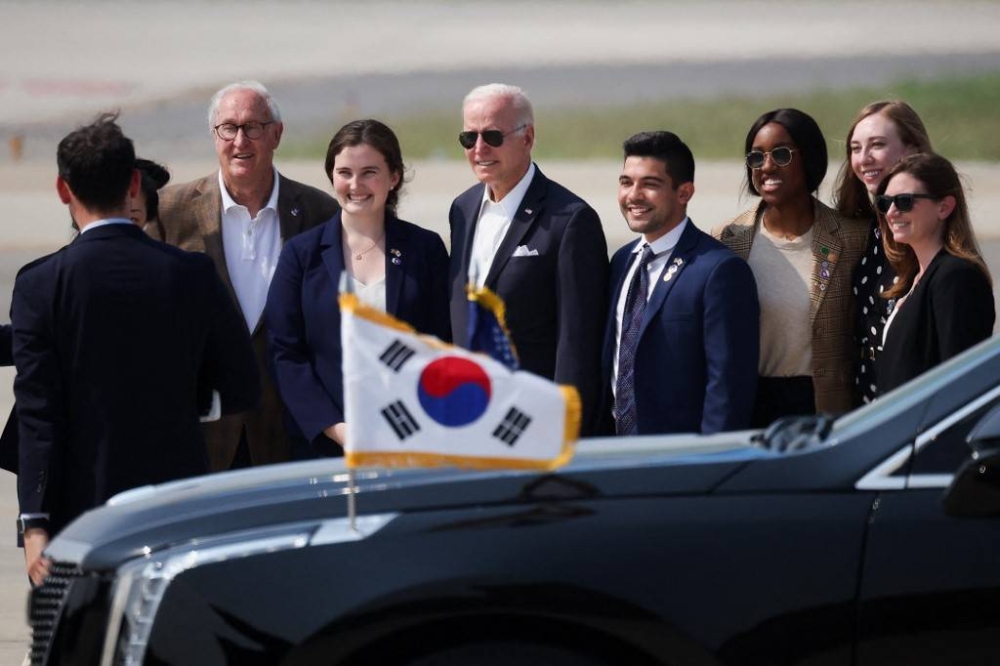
column 782, row 396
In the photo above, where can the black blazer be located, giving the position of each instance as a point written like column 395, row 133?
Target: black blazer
column 554, row 288
column 112, row 335
column 303, row 319
column 950, row 310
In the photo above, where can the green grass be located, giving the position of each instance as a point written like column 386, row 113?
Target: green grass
column 961, row 114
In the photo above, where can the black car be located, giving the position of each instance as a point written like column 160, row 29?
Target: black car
column 874, row 541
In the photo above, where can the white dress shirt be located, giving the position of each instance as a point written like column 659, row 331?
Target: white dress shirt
column 662, row 247
column 252, row 247
column 493, row 224
column 106, row 223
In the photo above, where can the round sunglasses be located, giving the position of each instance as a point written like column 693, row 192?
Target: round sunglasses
column 904, row 202
column 780, row 156
column 491, row 137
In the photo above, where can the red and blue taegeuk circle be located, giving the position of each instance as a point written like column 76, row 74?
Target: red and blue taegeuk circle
column 454, row 391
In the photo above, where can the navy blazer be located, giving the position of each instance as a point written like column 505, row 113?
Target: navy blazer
column 303, row 318
column 113, row 336
column 556, row 297
column 950, row 310
column 696, row 360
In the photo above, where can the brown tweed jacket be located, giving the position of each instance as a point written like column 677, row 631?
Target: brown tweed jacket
column 838, row 244
column 190, row 218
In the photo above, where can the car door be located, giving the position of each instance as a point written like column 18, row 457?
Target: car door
column 929, row 590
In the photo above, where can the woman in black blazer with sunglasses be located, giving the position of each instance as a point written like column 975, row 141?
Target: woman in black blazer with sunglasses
column 944, row 295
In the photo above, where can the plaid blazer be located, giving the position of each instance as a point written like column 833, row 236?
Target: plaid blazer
column 191, row 219
column 838, row 245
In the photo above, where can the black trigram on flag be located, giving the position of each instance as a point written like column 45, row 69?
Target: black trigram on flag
column 400, row 419
column 512, row 426
column 396, row 355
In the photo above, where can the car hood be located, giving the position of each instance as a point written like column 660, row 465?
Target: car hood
column 152, row 518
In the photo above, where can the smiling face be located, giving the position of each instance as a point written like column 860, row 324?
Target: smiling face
column 362, row 180
column 246, row 163
column 876, row 147
column 922, row 228
column 650, row 203
column 500, row 167
column 779, row 185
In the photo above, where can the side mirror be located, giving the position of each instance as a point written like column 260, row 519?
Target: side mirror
column 975, row 490
column 986, row 434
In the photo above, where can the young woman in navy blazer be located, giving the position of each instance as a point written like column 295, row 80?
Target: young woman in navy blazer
column 392, row 264
column 944, row 295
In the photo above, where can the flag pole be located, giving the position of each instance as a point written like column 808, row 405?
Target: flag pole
column 352, row 487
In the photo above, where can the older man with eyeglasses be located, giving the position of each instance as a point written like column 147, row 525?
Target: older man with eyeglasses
column 240, row 216
column 537, row 245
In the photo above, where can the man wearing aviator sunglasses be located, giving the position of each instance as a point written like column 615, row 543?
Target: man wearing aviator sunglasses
column 534, row 243
column 240, row 216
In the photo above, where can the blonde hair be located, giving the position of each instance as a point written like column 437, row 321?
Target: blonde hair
column 850, row 195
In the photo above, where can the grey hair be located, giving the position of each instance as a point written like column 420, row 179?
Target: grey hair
column 519, row 100
column 251, row 85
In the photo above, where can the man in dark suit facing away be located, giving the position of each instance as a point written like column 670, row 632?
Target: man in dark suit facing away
column 682, row 334
column 534, row 243
column 113, row 336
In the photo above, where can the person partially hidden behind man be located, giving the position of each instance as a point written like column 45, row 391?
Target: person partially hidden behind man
column 113, row 335
column 240, row 216
column 681, row 338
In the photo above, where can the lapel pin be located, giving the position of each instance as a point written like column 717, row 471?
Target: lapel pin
column 396, row 261
column 670, row 273
column 396, row 252
column 825, row 274
column 295, row 212
column 528, row 211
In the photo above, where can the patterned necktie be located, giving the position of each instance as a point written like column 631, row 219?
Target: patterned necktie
column 635, row 308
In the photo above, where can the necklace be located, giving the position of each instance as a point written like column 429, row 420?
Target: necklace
column 358, row 256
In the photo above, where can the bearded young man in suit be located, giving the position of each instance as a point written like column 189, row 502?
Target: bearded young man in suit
column 534, row 243
column 99, row 412
column 682, row 335
column 240, row 217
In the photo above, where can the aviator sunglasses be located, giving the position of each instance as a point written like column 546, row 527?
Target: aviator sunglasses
column 904, row 202
column 780, row 156
column 491, row 137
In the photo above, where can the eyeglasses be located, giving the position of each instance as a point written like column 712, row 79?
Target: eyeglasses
column 491, row 137
column 780, row 156
column 904, row 202
column 251, row 130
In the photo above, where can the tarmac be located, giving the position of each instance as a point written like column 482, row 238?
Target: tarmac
column 61, row 61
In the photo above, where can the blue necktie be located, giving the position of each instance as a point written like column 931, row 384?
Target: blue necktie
column 635, row 308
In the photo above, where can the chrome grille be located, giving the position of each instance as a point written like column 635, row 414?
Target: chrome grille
column 44, row 607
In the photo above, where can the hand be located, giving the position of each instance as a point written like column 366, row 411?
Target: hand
column 35, row 541
column 337, row 432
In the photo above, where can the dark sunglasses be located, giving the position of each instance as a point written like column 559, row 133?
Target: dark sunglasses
column 780, row 156
column 491, row 137
column 904, row 202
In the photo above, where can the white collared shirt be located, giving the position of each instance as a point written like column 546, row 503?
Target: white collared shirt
column 105, row 223
column 663, row 247
column 493, row 224
column 252, row 247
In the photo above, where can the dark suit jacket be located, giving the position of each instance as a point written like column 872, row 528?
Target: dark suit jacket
column 99, row 410
column 191, row 218
column 696, row 360
column 950, row 310
column 556, row 301
column 303, row 319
